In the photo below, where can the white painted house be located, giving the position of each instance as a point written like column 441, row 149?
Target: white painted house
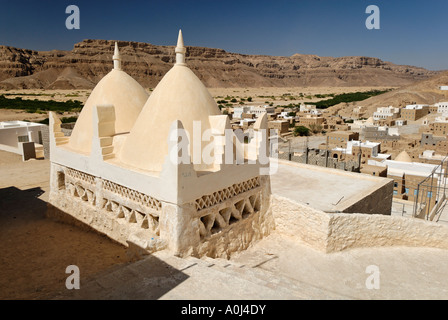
column 442, row 107
column 13, row 134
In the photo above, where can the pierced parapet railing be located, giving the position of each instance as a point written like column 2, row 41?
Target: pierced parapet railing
column 131, row 216
column 80, row 184
column 225, row 207
column 124, row 203
column 227, row 193
column 133, row 195
column 134, row 207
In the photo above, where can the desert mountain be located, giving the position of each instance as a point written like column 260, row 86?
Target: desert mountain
column 422, row 92
column 90, row 60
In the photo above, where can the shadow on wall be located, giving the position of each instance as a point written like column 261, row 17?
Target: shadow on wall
column 35, row 252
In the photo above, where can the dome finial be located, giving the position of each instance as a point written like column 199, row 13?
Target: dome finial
column 180, row 50
column 117, row 58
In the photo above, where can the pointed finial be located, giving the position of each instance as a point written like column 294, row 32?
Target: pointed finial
column 180, row 50
column 117, row 58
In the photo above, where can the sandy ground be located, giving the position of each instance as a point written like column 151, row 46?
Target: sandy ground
column 282, row 95
column 35, row 251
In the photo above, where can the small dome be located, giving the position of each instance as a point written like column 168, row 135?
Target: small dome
column 116, row 88
column 403, row 157
column 180, row 95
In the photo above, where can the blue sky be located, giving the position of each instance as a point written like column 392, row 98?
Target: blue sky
column 413, row 32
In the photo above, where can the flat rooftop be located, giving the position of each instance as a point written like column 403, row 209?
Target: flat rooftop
column 322, row 188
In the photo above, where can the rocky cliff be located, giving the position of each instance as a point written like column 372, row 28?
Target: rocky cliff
column 90, row 60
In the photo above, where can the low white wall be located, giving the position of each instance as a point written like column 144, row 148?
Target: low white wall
column 360, row 230
column 300, row 221
column 331, row 232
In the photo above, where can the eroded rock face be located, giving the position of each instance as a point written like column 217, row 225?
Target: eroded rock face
column 90, row 60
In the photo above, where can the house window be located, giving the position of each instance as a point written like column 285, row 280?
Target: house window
column 415, row 192
column 23, row 138
column 395, row 192
column 406, row 190
column 395, row 184
column 429, row 194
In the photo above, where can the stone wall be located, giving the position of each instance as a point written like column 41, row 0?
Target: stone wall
column 299, row 221
column 378, row 202
column 359, row 230
column 332, row 232
column 67, row 130
column 318, row 158
column 46, row 141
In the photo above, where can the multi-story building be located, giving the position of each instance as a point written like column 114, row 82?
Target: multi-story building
column 430, row 140
column 358, row 150
column 340, row 138
column 440, row 126
column 282, row 126
column 385, row 113
column 414, row 112
column 309, row 120
column 259, row 110
column 407, row 176
column 376, row 133
column 442, row 107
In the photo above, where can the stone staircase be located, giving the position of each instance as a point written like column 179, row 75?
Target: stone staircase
column 164, row 276
column 107, row 148
column 60, row 138
column 276, row 286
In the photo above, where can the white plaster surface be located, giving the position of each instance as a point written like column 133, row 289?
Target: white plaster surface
column 321, row 188
column 118, row 89
column 277, row 267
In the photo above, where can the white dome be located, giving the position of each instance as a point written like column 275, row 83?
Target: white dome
column 116, row 88
column 180, row 95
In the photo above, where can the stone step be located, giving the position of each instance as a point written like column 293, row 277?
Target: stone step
column 107, row 150
column 61, row 140
column 162, row 275
column 59, row 134
column 106, row 141
column 284, row 286
column 108, row 156
column 223, row 283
